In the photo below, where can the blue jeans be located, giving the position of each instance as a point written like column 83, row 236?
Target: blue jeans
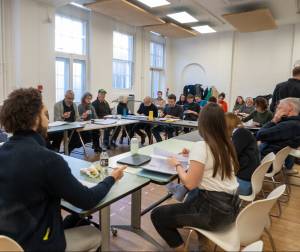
column 245, row 187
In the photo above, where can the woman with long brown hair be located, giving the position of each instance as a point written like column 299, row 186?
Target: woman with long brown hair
column 212, row 201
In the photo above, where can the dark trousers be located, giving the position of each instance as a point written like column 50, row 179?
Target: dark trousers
column 159, row 128
column 106, row 137
column 201, row 209
column 56, row 138
column 142, row 126
column 118, row 130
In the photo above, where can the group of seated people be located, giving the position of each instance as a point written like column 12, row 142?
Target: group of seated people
column 220, row 168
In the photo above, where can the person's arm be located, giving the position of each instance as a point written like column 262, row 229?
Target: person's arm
column 155, row 111
column 273, row 132
column 140, row 110
column 77, row 116
column 249, row 117
column 94, row 104
column 63, row 184
column 57, row 112
column 94, row 113
column 225, row 106
column 119, row 110
column 180, row 112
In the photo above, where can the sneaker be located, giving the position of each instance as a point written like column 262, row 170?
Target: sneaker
column 291, row 171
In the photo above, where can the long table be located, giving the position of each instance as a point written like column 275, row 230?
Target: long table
column 129, row 184
column 132, row 183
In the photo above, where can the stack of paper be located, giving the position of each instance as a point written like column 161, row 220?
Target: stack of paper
column 57, row 123
column 160, row 164
column 105, row 121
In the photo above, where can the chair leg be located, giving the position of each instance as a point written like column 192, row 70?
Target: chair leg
column 271, row 240
column 187, row 243
column 279, row 210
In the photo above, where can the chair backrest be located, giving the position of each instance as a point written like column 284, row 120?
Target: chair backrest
column 8, row 244
column 280, row 157
column 252, row 220
column 270, row 156
column 254, row 247
column 257, row 178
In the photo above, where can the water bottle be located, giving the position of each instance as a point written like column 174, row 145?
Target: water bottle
column 134, row 145
column 104, row 161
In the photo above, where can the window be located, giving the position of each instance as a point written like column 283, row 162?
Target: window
column 71, row 56
column 157, row 66
column 122, row 60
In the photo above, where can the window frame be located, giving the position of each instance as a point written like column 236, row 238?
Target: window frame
column 73, row 58
column 132, row 62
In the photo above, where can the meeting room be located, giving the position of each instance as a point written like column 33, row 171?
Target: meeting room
column 149, row 125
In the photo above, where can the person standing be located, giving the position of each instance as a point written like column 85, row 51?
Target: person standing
column 102, row 109
column 36, row 179
column 290, row 88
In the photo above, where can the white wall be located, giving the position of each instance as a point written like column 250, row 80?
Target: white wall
column 30, row 55
column 245, row 64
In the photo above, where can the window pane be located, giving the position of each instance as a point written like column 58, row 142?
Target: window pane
column 70, row 35
column 157, row 55
column 122, row 60
column 156, row 81
column 78, row 79
column 62, row 77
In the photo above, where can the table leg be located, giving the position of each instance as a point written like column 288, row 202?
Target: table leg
column 66, row 143
column 82, row 143
column 104, row 218
column 135, row 227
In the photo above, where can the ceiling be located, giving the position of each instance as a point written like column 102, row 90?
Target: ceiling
column 211, row 11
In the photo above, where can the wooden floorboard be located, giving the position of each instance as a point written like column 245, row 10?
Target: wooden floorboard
column 285, row 230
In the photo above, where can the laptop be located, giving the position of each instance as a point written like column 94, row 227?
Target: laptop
column 135, row 160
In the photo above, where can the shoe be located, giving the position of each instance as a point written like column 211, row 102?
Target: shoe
column 291, row 171
column 106, row 147
column 113, row 144
column 121, row 140
column 179, row 191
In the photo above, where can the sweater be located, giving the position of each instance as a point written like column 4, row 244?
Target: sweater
column 259, row 117
column 290, row 88
column 247, row 152
column 34, row 181
column 276, row 136
column 144, row 110
column 102, row 108
column 83, row 108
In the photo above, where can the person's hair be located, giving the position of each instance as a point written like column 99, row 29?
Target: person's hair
column 236, row 101
column 222, row 95
column 172, row 97
column 296, row 71
column 102, row 91
column 212, row 99
column 294, row 102
column 69, row 92
column 232, row 121
column 261, row 102
column 190, row 96
column 21, row 110
column 85, row 95
column 198, row 96
column 159, row 92
column 213, row 129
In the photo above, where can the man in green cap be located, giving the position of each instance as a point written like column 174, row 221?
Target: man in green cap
column 102, row 109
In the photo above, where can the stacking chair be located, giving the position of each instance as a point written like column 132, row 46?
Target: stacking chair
column 258, row 176
column 278, row 165
column 249, row 226
column 8, row 244
column 254, row 247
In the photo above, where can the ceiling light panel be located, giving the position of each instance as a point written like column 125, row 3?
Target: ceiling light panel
column 154, row 3
column 204, row 29
column 183, row 17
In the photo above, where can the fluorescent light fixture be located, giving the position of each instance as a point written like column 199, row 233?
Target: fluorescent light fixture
column 183, row 17
column 204, row 29
column 155, row 33
column 154, row 3
column 79, row 6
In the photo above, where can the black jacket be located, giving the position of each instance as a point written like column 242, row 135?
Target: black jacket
column 33, row 180
column 102, row 108
column 274, row 137
column 290, row 88
column 247, row 152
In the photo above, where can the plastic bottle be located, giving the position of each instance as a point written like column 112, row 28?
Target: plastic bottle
column 134, row 145
column 104, row 160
